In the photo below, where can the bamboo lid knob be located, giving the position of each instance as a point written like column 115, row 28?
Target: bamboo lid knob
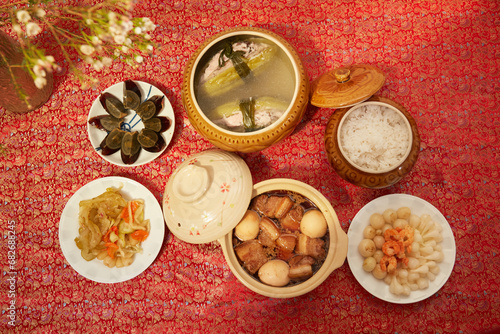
column 342, row 75
column 346, row 86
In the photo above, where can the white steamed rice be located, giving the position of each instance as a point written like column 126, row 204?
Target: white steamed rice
column 374, row 138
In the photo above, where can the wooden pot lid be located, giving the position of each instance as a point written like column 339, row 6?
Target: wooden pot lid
column 346, row 86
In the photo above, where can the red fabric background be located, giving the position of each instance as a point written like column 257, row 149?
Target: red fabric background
column 441, row 59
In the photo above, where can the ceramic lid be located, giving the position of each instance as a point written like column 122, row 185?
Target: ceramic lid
column 346, row 86
column 207, row 195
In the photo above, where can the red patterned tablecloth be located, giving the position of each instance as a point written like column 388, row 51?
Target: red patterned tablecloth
column 442, row 62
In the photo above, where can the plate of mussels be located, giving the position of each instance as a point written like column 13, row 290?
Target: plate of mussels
column 131, row 123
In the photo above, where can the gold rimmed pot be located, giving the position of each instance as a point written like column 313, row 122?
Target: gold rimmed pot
column 365, row 176
column 283, row 70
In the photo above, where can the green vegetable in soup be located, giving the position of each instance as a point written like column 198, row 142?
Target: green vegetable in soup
column 247, row 107
column 244, row 64
column 249, row 114
column 236, row 58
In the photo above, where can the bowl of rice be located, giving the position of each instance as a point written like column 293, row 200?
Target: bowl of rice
column 373, row 144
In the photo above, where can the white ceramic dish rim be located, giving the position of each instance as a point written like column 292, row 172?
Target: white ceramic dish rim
column 96, row 136
column 95, row 270
column 408, row 127
column 336, row 253
column 378, row 288
column 236, row 33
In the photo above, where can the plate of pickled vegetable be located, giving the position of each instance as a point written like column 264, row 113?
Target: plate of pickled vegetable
column 111, row 229
column 401, row 248
column 131, row 123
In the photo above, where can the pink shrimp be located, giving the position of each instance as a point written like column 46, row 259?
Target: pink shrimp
column 406, row 235
column 401, row 254
column 391, row 234
column 391, row 248
column 388, row 263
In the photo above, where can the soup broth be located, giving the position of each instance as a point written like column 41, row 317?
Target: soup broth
column 271, row 80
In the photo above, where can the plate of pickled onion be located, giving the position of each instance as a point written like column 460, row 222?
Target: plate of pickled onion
column 111, row 229
column 401, row 248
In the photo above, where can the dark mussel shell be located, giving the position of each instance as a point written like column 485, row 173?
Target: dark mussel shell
column 112, row 142
column 147, row 138
column 158, row 124
column 130, row 147
column 112, row 105
column 131, row 95
column 151, row 107
column 106, row 122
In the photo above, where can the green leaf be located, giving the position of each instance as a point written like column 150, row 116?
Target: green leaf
column 236, row 58
column 247, row 107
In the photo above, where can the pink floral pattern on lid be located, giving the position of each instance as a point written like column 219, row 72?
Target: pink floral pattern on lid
column 225, row 187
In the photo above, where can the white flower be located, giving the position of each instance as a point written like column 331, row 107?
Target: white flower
column 39, row 71
column 107, row 61
column 137, row 31
column 42, row 63
column 89, row 22
column 88, row 60
column 46, row 64
column 98, row 65
column 139, row 59
column 114, row 29
column 128, row 42
column 148, row 25
column 149, row 47
column 128, row 4
column 127, row 25
column 17, row 28
column 87, row 49
column 23, row 16
column 147, row 37
column 119, row 39
column 33, row 29
column 39, row 12
column 112, row 16
column 105, row 38
column 40, row 82
column 50, row 59
column 95, row 40
column 124, row 49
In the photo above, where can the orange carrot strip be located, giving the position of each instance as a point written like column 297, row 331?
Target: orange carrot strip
column 125, row 214
column 140, row 235
column 111, row 249
column 105, row 237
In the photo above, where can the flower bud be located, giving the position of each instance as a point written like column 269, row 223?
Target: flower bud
column 23, row 16
column 40, row 82
column 87, row 49
column 32, row 29
column 39, row 71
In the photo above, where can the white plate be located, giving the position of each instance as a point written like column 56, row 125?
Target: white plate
column 133, row 120
column 95, row 270
column 418, row 206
